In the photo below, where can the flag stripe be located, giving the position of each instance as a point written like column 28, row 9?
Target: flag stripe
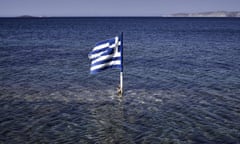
column 103, row 47
column 106, row 61
column 107, row 51
column 106, row 43
column 111, row 41
column 103, row 57
column 99, row 51
column 116, row 62
column 102, row 69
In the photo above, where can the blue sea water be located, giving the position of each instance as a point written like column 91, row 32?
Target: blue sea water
column 181, row 81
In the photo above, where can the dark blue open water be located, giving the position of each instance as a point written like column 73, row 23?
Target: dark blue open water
column 181, row 80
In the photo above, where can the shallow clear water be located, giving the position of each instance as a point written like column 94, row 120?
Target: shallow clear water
column 181, row 80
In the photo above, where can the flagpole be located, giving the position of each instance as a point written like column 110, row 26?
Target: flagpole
column 121, row 72
column 121, row 82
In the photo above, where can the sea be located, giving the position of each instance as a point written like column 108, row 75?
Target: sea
column 181, row 81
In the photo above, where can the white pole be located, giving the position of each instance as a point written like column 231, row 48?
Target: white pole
column 121, row 72
column 121, row 83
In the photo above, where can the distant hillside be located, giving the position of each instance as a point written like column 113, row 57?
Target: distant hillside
column 208, row 14
column 26, row 16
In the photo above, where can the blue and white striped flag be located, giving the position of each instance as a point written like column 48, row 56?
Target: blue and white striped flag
column 106, row 54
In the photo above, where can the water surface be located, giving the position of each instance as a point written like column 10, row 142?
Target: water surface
column 181, row 81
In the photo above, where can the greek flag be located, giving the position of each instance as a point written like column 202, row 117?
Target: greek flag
column 106, row 54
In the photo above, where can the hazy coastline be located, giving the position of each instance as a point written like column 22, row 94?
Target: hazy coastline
column 221, row 14
column 208, row 14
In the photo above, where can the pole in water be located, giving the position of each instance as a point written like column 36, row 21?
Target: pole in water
column 121, row 83
column 120, row 87
column 119, row 90
column 121, row 72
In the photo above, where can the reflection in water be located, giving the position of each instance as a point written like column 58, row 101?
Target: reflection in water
column 108, row 119
column 92, row 116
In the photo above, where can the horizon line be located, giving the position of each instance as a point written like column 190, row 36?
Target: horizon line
column 160, row 15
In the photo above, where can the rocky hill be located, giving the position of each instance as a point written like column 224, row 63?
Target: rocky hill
column 208, row 14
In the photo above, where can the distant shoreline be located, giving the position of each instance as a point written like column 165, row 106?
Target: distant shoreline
column 208, row 14
column 165, row 17
column 214, row 14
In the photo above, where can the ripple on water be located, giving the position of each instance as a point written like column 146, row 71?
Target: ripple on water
column 86, row 115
